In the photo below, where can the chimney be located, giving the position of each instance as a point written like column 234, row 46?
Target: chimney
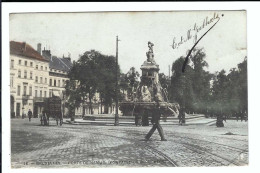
column 39, row 48
column 24, row 46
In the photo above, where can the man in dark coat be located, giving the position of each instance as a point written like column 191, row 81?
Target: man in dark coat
column 156, row 115
column 30, row 114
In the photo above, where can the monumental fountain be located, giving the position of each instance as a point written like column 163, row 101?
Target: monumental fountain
column 150, row 99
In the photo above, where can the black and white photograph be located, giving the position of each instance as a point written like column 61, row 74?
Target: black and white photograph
column 128, row 89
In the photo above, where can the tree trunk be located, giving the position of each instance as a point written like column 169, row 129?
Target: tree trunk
column 83, row 111
column 106, row 109
column 101, row 106
column 90, row 104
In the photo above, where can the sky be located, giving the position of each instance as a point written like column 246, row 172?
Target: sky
column 225, row 44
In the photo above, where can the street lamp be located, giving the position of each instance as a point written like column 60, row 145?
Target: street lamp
column 116, row 114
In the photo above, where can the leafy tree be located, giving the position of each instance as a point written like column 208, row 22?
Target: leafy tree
column 73, row 97
column 181, row 90
column 129, row 82
column 95, row 72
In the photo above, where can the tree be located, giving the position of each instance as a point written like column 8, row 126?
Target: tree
column 129, row 82
column 73, row 97
column 181, row 90
column 94, row 72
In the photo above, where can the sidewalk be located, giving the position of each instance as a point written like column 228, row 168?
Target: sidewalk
column 130, row 121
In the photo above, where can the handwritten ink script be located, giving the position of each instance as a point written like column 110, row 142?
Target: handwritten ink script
column 192, row 34
column 197, row 41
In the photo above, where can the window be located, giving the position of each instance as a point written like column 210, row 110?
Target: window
column 36, row 78
column 45, row 93
column 50, row 82
column 19, row 73
column 63, row 82
column 50, row 91
column 54, row 82
column 40, row 79
column 58, row 83
column 31, row 75
column 45, row 80
column 41, row 67
column 36, row 67
column 25, row 63
column 40, row 93
column 46, row 68
column 12, row 63
column 18, row 90
column 30, row 91
column 31, row 64
column 36, row 94
column 20, row 62
column 25, row 74
column 24, row 90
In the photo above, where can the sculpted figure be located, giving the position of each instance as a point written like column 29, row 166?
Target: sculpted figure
column 149, row 54
column 146, row 95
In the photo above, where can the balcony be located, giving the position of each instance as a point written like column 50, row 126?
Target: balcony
column 25, row 97
column 39, row 99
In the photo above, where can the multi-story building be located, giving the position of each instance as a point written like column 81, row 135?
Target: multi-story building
column 37, row 75
column 58, row 74
column 29, row 73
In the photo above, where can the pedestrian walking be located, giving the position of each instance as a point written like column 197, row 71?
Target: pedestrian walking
column 30, row 114
column 156, row 125
column 156, row 115
column 245, row 116
column 23, row 113
column 44, row 119
column 237, row 115
column 180, row 117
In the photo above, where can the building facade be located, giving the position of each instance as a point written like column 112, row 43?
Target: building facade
column 58, row 75
column 37, row 75
column 29, row 73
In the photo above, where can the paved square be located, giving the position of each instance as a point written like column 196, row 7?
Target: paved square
column 124, row 146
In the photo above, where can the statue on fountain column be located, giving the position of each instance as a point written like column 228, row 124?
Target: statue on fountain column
column 149, row 54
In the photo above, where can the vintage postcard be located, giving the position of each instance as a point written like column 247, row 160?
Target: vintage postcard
column 128, row 89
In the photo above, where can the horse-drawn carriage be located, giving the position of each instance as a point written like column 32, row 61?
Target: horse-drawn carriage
column 52, row 109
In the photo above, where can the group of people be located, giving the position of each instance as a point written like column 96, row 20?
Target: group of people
column 242, row 115
column 44, row 118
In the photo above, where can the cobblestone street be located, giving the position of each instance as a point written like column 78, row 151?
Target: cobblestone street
column 124, row 146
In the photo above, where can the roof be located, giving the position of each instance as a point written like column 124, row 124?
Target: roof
column 24, row 49
column 62, row 64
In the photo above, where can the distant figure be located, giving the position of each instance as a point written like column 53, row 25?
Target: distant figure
column 180, row 117
column 23, row 114
column 245, row 116
column 237, row 115
column 30, row 114
column 44, row 120
column 219, row 122
column 225, row 117
column 46, row 115
column 242, row 115
column 41, row 119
